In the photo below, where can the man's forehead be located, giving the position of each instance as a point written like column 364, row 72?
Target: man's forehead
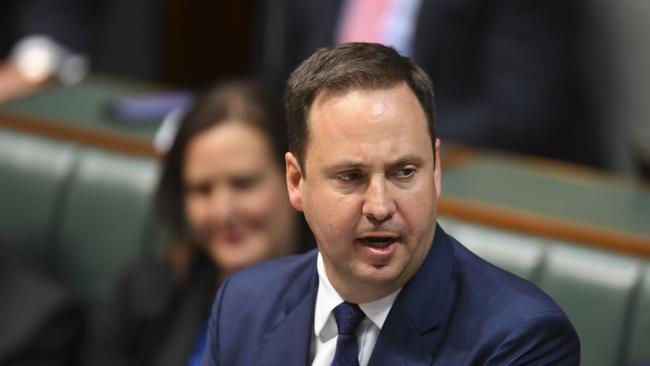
column 363, row 120
column 325, row 94
column 365, row 102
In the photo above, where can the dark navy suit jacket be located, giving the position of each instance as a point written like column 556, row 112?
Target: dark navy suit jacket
column 456, row 310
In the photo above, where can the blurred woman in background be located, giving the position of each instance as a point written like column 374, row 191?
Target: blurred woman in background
column 223, row 197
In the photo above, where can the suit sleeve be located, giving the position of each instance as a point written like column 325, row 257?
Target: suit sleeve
column 548, row 339
column 211, row 354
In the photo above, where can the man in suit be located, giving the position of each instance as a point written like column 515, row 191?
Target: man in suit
column 387, row 285
column 507, row 72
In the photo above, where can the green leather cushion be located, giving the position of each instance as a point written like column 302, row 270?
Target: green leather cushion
column 518, row 254
column 33, row 176
column 595, row 289
column 639, row 342
column 106, row 221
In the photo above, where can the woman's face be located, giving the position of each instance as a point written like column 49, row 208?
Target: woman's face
column 235, row 196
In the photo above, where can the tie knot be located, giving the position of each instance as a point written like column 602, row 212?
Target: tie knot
column 348, row 316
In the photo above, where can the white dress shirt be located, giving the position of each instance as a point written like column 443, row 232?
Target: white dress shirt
column 323, row 340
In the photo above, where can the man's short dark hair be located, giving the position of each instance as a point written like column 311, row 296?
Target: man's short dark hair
column 346, row 67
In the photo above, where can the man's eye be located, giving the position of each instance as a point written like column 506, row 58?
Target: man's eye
column 349, row 177
column 405, row 173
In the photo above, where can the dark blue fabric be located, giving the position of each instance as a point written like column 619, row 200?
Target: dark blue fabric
column 456, row 310
column 348, row 317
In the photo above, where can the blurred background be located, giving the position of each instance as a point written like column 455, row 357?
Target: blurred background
column 543, row 111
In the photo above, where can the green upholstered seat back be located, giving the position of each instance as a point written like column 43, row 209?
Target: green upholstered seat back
column 595, row 289
column 518, row 254
column 34, row 173
column 639, row 336
column 106, row 221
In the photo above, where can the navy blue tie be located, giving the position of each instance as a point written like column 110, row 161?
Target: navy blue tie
column 348, row 316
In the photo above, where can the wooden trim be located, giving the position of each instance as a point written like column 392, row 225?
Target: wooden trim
column 536, row 224
column 63, row 131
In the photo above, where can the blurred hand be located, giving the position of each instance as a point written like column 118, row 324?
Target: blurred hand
column 13, row 83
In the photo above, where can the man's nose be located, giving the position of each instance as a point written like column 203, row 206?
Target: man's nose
column 378, row 205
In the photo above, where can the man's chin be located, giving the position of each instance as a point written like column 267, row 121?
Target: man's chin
column 377, row 275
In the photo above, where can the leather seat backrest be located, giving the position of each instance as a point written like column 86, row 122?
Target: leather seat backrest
column 518, row 254
column 34, row 174
column 596, row 289
column 639, row 335
column 106, row 221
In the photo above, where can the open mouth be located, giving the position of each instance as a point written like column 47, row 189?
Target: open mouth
column 378, row 241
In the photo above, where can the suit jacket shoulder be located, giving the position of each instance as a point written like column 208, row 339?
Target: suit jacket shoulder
column 460, row 309
column 272, row 279
column 263, row 314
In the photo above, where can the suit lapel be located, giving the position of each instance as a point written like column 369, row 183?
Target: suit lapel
column 289, row 340
column 413, row 330
column 399, row 343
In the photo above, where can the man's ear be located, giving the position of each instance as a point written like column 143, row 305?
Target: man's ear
column 294, row 180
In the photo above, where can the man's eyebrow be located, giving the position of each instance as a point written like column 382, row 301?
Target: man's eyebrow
column 355, row 164
column 345, row 165
column 408, row 159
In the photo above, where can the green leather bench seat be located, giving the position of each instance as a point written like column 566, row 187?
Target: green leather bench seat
column 639, row 341
column 34, row 175
column 596, row 290
column 106, row 220
column 87, row 211
column 519, row 254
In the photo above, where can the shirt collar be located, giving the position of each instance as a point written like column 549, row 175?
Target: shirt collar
column 328, row 298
